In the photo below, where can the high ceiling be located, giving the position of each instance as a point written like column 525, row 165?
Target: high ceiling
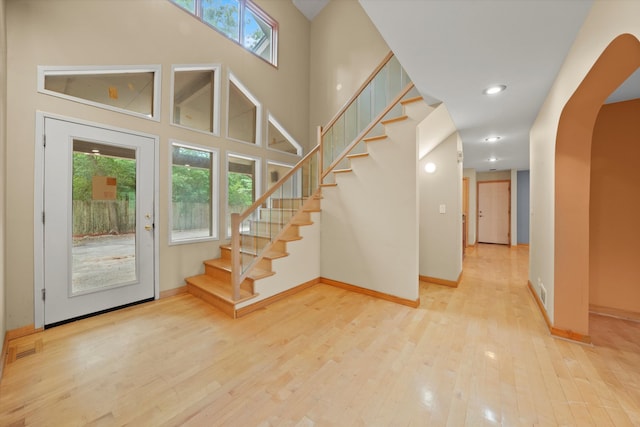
column 453, row 50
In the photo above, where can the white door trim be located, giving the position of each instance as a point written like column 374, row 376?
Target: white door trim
column 38, row 207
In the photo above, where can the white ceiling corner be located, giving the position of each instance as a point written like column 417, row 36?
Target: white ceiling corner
column 453, row 50
column 310, row 8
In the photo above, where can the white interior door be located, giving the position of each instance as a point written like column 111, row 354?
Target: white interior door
column 493, row 212
column 98, row 219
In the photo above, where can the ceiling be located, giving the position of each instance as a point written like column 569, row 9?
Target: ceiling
column 453, row 50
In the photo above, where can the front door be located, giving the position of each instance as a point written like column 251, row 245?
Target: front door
column 493, row 212
column 98, row 219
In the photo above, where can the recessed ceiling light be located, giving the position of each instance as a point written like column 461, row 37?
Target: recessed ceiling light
column 95, row 151
column 492, row 159
column 492, row 139
column 492, row 90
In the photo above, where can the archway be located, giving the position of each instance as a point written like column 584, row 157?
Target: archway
column 572, row 183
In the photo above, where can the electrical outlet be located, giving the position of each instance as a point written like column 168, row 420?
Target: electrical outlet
column 543, row 294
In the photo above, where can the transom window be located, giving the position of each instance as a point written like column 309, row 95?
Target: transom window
column 279, row 139
column 132, row 90
column 195, row 97
column 240, row 20
column 243, row 114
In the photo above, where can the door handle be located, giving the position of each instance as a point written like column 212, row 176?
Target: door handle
column 148, row 227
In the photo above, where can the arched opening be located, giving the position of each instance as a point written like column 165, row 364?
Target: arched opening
column 572, row 183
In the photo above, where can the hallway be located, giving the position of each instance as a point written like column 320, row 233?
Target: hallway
column 476, row 355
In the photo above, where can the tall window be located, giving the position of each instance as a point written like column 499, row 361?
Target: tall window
column 193, row 203
column 195, row 97
column 240, row 20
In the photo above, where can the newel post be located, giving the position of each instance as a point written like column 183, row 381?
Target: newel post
column 235, row 255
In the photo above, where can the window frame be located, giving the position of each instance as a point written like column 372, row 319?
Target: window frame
column 272, row 120
column 232, row 79
column 217, row 69
column 156, row 69
column 243, row 5
column 215, row 187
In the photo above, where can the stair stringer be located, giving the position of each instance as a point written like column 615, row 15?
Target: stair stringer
column 370, row 219
column 301, row 266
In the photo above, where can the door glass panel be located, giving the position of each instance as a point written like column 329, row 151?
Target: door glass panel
column 104, row 217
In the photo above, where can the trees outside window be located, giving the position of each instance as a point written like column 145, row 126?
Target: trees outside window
column 241, row 21
column 193, row 202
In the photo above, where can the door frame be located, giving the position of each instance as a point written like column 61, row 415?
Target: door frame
column 38, row 207
column 478, row 207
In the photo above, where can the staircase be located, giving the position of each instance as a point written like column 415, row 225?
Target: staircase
column 214, row 286
column 261, row 235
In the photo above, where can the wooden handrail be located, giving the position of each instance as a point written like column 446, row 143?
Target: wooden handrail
column 358, row 92
column 236, row 219
column 366, row 130
column 276, row 186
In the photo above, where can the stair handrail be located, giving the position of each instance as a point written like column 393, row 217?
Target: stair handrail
column 380, row 83
column 239, row 274
column 358, row 92
column 367, row 129
column 258, row 203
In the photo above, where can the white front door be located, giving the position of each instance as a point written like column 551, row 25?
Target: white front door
column 493, row 212
column 98, row 219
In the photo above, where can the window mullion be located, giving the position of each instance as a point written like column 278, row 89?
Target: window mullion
column 241, row 10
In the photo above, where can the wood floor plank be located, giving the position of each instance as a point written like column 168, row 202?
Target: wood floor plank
column 475, row 355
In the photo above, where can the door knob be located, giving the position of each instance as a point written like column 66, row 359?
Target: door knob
column 148, row 227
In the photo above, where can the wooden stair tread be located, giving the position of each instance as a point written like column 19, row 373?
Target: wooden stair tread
column 219, row 288
column 358, row 155
column 270, row 254
column 410, row 100
column 302, row 223
column 342, row 170
column 394, row 120
column 223, row 264
column 292, row 221
column 375, row 138
column 266, row 236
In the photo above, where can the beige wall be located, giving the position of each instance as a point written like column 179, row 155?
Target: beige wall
column 605, row 22
column 346, row 48
column 615, row 203
column 441, row 233
column 68, row 32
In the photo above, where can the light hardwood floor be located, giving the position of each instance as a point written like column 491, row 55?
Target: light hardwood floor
column 476, row 355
